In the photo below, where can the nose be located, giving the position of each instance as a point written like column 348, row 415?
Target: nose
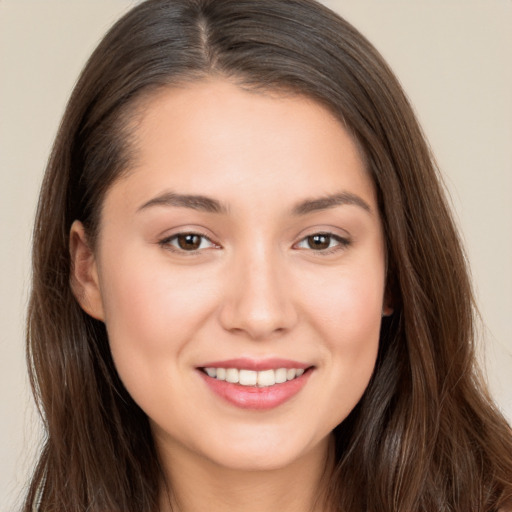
column 258, row 301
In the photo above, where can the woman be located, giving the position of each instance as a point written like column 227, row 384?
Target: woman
column 248, row 290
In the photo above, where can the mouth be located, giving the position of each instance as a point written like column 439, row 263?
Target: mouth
column 259, row 385
column 260, row 379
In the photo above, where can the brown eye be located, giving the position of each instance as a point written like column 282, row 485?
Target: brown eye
column 323, row 243
column 189, row 242
column 319, row 242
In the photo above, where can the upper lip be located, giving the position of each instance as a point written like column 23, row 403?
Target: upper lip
column 244, row 363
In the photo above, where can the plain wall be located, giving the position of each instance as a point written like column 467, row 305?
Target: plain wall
column 454, row 59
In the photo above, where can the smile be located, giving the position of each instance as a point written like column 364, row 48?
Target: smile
column 258, row 385
column 260, row 379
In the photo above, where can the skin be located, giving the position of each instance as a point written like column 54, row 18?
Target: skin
column 256, row 287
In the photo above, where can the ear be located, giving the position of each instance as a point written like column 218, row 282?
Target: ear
column 84, row 273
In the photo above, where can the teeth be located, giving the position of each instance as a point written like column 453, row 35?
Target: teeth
column 280, row 375
column 247, row 377
column 261, row 379
column 266, row 378
column 232, row 375
column 212, row 372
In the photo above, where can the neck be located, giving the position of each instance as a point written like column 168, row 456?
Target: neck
column 193, row 484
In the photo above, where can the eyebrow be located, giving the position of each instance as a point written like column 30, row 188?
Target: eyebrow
column 195, row 202
column 209, row 205
column 330, row 201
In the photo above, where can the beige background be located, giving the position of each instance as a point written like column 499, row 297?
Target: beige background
column 454, row 59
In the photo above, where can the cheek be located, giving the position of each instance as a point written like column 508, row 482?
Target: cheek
column 151, row 311
column 348, row 305
column 352, row 326
column 347, row 311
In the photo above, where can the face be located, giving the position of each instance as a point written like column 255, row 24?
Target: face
column 240, row 272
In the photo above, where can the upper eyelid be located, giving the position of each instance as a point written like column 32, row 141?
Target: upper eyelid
column 339, row 238
column 186, row 230
column 338, row 233
column 166, row 241
column 184, row 233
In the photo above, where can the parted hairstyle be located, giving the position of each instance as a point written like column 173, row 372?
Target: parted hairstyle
column 425, row 437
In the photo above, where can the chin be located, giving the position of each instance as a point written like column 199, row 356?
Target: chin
column 266, row 452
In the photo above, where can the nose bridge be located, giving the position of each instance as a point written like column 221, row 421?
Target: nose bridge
column 258, row 300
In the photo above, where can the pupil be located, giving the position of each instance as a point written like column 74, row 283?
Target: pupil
column 189, row 242
column 319, row 241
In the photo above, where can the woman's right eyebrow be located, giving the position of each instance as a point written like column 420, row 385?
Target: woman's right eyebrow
column 195, row 202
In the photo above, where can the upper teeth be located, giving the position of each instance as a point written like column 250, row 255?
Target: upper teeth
column 252, row 378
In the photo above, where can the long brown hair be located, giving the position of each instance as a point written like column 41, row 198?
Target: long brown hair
column 425, row 436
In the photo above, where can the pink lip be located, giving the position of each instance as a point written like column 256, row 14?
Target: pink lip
column 244, row 363
column 253, row 397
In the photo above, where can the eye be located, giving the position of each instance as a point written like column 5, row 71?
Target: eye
column 187, row 242
column 323, row 242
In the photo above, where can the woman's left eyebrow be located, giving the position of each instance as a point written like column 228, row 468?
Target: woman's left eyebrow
column 330, row 201
column 195, row 202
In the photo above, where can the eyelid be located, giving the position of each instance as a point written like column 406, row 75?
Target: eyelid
column 342, row 242
column 165, row 242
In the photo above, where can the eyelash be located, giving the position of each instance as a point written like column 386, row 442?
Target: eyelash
column 168, row 242
column 341, row 243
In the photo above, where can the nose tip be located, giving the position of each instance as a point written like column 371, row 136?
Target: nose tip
column 258, row 303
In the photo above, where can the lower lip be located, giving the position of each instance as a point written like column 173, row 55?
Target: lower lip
column 253, row 397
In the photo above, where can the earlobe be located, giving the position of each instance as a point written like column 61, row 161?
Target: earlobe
column 387, row 310
column 387, row 306
column 84, row 279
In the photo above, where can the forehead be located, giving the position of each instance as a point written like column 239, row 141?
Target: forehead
column 214, row 138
